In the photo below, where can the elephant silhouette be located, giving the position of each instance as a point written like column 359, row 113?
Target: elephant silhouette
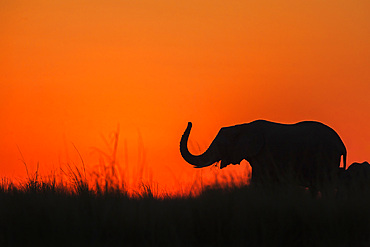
column 308, row 152
column 357, row 177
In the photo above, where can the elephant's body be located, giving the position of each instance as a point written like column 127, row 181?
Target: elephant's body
column 307, row 152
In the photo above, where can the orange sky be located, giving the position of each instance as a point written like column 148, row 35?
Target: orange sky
column 71, row 71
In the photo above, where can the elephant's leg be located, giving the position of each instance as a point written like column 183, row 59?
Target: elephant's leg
column 257, row 174
column 326, row 176
column 263, row 174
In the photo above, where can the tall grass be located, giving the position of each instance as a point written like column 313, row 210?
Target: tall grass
column 47, row 212
column 96, row 208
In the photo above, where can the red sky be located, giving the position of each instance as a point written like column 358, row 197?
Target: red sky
column 72, row 71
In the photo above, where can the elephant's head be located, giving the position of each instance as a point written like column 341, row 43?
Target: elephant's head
column 231, row 146
column 356, row 177
column 359, row 171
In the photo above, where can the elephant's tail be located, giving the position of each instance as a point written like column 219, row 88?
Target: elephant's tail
column 344, row 159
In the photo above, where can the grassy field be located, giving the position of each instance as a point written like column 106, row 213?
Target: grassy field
column 45, row 212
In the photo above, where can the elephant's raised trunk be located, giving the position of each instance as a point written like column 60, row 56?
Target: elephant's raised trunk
column 206, row 159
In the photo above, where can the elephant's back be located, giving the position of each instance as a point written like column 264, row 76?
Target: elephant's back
column 321, row 134
column 304, row 134
column 311, row 133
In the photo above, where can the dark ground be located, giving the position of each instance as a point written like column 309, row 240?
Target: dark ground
column 44, row 214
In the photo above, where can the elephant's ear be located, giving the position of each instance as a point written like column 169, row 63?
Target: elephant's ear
column 251, row 144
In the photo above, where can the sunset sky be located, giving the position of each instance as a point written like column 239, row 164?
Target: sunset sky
column 71, row 72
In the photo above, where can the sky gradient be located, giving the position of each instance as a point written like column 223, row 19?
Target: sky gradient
column 71, row 72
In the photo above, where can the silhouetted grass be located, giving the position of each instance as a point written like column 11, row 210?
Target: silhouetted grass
column 47, row 212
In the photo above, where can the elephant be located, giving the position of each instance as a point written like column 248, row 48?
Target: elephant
column 356, row 177
column 306, row 152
